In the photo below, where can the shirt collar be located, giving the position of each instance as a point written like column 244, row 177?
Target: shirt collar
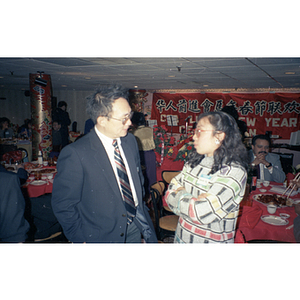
column 105, row 139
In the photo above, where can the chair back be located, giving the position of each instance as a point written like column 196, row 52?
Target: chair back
column 167, row 176
column 286, row 160
column 159, row 189
column 165, row 226
column 156, row 192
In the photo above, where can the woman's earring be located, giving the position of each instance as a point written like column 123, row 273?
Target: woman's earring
column 217, row 141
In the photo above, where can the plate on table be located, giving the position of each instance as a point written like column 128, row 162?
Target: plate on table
column 38, row 182
column 271, row 198
column 274, row 220
column 48, row 170
column 30, row 166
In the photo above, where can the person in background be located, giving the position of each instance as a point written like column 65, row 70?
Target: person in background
column 145, row 140
column 56, row 136
column 26, row 129
column 88, row 126
column 13, row 226
column 21, row 172
column 5, row 130
column 62, row 116
column 269, row 165
column 92, row 198
column 207, row 193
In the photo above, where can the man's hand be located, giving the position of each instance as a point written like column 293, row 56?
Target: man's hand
column 260, row 158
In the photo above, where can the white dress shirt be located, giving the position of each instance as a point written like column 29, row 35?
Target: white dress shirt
column 110, row 149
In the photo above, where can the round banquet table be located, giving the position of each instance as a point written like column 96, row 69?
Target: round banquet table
column 38, row 190
column 253, row 228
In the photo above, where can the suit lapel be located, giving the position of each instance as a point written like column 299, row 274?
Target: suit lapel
column 103, row 163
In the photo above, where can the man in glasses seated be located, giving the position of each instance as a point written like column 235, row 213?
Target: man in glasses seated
column 268, row 164
column 98, row 190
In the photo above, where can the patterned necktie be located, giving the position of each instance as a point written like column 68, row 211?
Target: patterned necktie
column 124, row 182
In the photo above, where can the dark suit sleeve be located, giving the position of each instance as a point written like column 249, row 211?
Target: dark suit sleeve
column 66, row 193
column 13, row 226
column 142, row 219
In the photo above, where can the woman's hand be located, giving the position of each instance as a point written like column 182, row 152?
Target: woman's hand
column 201, row 196
column 179, row 189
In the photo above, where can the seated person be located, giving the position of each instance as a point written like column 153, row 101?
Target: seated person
column 270, row 168
column 13, row 226
column 26, row 129
column 21, row 172
column 5, row 131
column 56, row 136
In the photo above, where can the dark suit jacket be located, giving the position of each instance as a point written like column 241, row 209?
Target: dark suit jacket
column 13, row 226
column 86, row 198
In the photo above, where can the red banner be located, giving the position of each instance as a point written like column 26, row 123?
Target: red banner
column 275, row 112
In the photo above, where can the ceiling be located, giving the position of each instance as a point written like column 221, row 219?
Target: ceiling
column 155, row 73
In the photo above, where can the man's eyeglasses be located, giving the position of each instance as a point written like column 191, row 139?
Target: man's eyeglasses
column 197, row 131
column 122, row 120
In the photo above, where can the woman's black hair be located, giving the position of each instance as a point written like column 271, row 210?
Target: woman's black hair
column 231, row 150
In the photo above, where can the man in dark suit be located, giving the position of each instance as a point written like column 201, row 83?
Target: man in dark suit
column 13, row 226
column 87, row 196
column 62, row 116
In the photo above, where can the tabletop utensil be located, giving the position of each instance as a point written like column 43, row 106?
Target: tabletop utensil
column 290, row 186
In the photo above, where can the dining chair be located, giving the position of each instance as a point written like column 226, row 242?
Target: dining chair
column 165, row 225
column 168, row 175
column 286, row 160
column 52, row 238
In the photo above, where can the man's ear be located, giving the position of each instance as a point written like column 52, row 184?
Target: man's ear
column 101, row 121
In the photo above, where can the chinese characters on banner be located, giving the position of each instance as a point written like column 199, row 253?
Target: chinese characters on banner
column 275, row 112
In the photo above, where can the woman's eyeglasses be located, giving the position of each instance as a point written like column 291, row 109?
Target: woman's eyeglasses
column 197, row 131
column 122, row 120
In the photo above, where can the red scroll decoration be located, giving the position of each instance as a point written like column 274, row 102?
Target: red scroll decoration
column 40, row 96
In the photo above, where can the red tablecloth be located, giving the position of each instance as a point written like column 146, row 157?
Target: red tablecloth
column 253, row 228
column 38, row 190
